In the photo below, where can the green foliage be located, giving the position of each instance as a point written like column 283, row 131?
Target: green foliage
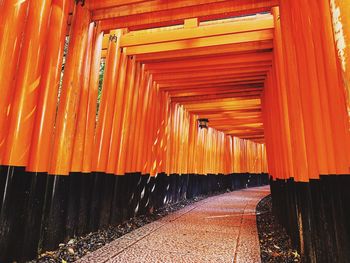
column 100, row 85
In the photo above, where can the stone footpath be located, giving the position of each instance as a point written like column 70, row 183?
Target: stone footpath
column 217, row 229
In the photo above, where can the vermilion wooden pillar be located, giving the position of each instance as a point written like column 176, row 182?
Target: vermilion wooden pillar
column 166, row 132
column 114, row 143
column 147, row 86
column 80, row 132
column 147, row 113
column 151, row 152
column 42, row 140
column 12, row 22
column 150, row 123
column 140, row 91
column 137, row 148
column 105, row 118
column 69, row 101
column 29, row 73
column 129, row 165
column 126, row 120
column 92, row 100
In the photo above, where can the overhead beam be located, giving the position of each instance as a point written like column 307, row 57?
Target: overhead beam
column 256, row 46
column 143, row 7
column 181, row 93
column 209, row 113
column 225, row 104
column 211, row 68
column 258, row 79
column 239, row 26
column 224, row 122
column 205, row 98
column 261, row 35
column 250, row 134
column 239, row 126
column 225, row 78
column 203, row 108
column 154, row 17
column 214, row 86
column 211, row 61
column 228, row 73
column 98, row 4
column 238, row 114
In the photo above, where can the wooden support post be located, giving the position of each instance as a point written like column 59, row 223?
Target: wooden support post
column 138, row 121
column 109, row 89
column 42, row 140
column 92, row 100
column 12, row 22
column 26, row 91
column 293, row 96
column 69, row 100
column 126, row 118
column 142, row 161
column 129, row 164
column 114, row 144
column 143, row 123
column 80, row 132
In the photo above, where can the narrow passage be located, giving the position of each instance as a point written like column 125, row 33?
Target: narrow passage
column 218, row 229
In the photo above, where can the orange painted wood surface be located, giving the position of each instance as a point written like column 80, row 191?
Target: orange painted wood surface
column 26, row 83
column 42, row 140
column 70, row 95
column 12, row 27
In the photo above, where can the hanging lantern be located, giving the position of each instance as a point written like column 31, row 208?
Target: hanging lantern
column 203, row 123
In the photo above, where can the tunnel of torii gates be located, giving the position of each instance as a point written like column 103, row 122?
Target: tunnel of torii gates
column 100, row 102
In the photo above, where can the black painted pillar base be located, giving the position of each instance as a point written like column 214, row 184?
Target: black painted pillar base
column 55, row 212
column 18, row 209
column 315, row 215
column 33, row 220
column 86, row 188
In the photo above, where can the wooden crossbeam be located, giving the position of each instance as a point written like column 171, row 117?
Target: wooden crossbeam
column 245, row 37
column 246, row 134
column 258, row 79
column 164, row 13
column 182, row 93
column 212, row 97
column 186, row 64
column 211, row 86
column 242, row 113
column 191, row 75
column 137, row 39
column 211, row 67
column 255, row 46
column 137, row 7
column 98, row 4
column 225, row 104
column 220, row 122
column 235, row 115
column 240, row 126
column 205, row 110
